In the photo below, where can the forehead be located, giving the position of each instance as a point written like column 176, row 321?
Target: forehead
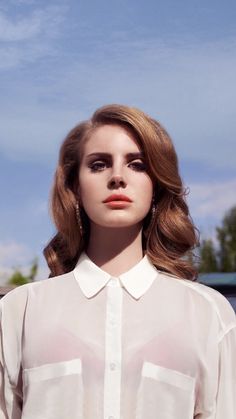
column 110, row 139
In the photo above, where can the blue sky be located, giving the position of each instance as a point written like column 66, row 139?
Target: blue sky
column 60, row 60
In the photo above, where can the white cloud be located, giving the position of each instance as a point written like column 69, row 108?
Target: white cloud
column 212, row 199
column 40, row 23
column 22, row 29
column 13, row 56
column 12, row 252
column 27, row 39
column 15, row 255
column 189, row 88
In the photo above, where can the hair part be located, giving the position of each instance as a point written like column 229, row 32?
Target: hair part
column 170, row 239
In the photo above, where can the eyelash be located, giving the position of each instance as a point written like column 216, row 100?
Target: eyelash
column 98, row 166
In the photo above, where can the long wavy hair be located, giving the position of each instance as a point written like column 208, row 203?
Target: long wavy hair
column 168, row 239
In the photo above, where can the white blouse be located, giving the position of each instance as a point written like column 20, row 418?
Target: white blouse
column 146, row 345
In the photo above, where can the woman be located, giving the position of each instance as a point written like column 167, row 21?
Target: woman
column 122, row 330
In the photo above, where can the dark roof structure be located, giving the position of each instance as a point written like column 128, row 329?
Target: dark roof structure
column 224, row 282
column 5, row 289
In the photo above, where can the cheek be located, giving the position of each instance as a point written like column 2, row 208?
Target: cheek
column 88, row 192
column 146, row 192
column 84, row 184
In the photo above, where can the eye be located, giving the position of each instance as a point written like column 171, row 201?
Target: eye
column 97, row 166
column 138, row 165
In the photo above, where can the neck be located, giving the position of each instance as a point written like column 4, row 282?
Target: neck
column 115, row 250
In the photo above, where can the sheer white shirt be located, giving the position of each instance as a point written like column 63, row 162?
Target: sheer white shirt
column 144, row 345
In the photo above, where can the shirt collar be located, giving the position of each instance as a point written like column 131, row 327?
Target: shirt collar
column 92, row 279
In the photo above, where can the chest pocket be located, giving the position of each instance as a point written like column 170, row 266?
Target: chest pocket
column 48, row 391
column 165, row 394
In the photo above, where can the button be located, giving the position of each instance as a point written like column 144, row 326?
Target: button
column 112, row 366
column 111, row 417
column 113, row 321
column 114, row 281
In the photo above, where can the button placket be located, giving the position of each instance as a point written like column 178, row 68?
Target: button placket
column 112, row 379
column 113, row 322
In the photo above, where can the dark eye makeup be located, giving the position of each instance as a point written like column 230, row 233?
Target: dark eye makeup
column 138, row 165
column 97, row 165
column 100, row 165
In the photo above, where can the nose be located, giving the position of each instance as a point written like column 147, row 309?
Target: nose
column 116, row 181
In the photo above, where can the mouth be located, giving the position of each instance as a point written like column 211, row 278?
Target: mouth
column 117, row 199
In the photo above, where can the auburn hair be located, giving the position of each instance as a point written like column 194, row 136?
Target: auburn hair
column 168, row 239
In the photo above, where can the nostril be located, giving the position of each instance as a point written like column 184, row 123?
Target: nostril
column 116, row 182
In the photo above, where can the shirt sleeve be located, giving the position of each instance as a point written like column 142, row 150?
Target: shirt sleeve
column 10, row 358
column 4, row 382
column 226, row 394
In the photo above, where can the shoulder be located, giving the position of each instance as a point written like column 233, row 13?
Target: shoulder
column 17, row 298
column 204, row 296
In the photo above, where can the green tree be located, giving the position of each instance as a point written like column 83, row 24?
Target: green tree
column 208, row 258
column 226, row 235
column 33, row 270
column 17, row 278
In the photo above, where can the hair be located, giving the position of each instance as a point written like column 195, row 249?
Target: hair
column 168, row 238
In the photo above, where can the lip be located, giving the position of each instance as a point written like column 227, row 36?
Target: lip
column 117, row 198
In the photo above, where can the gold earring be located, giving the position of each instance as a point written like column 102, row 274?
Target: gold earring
column 153, row 210
column 153, row 214
column 78, row 217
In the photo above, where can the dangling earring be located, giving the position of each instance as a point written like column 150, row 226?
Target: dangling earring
column 78, row 217
column 153, row 213
column 153, row 210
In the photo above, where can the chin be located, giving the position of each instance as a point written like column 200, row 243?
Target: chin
column 119, row 223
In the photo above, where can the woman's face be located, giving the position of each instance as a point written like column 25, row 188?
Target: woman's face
column 111, row 166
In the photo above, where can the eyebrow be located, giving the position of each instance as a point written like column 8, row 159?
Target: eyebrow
column 137, row 155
